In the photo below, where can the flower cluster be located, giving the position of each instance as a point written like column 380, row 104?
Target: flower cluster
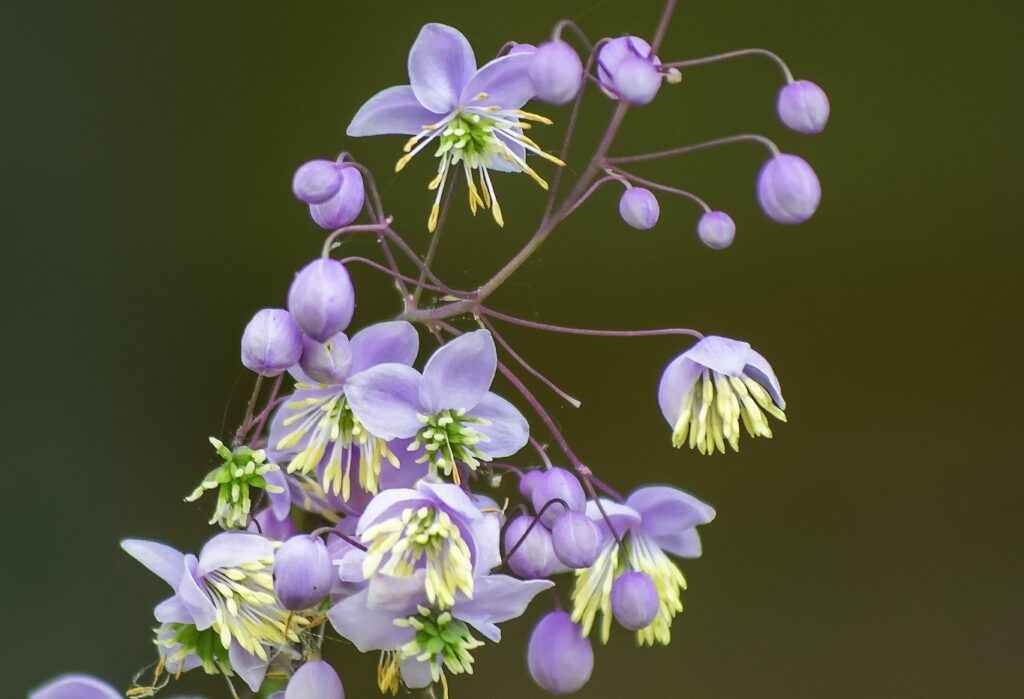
column 364, row 495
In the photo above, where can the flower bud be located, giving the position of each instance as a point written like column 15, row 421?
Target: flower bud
column 315, row 680
column 559, row 656
column 303, row 572
column 526, row 483
column 535, row 557
column 271, row 343
column 556, row 72
column 316, row 181
column 75, row 686
column 627, row 68
column 716, row 229
column 639, row 208
column 557, row 484
column 266, row 523
column 327, row 362
column 634, row 600
column 803, row 107
column 787, row 189
column 341, row 208
column 321, row 298
column 637, row 80
column 575, row 539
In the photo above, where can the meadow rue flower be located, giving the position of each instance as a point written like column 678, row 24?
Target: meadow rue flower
column 448, row 409
column 315, row 680
column 303, row 572
column 321, row 299
column 319, row 423
column 556, row 72
column 242, row 470
column 268, row 524
column 474, row 116
column 628, row 69
column 434, row 527
column 271, row 343
column 803, row 107
column 557, row 484
column 419, row 640
column 535, row 556
column 326, row 362
column 575, row 539
column 787, row 189
column 316, row 181
column 228, row 592
column 343, row 207
column 75, row 686
column 653, row 522
column 634, row 600
column 639, row 208
column 710, row 388
column 716, row 229
column 559, row 656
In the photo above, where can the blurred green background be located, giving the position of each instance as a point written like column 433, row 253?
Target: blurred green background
column 873, row 548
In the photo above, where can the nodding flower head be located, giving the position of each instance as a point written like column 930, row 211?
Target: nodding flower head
column 653, row 522
column 474, row 117
column 628, row 70
column 708, row 390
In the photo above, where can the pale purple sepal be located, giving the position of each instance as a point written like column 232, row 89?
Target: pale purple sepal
column 75, row 686
column 315, row 680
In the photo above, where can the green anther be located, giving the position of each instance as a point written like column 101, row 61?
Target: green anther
column 242, row 469
column 447, row 438
column 442, row 640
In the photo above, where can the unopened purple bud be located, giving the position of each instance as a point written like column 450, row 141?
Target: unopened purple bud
column 559, row 655
column 316, row 181
column 634, row 600
column 341, row 208
column 556, row 72
column 535, row 557
column 787, row 189
column 264, row 522
column 557, row 484
column 271, row 343
column 315, row 680
column 803, row 107
column 321, row 299
column 519, row 47
column 576, row 540
column 75, row 687
column 716, row 229
column 303, row 572
column 639, row 208
column 637, row 80
column 527, row 482
column 327, row 362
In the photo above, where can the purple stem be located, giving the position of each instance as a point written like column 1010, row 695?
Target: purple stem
column 593, row 188
column 399, row 276
column 261, row 419
column 435, row 241
column 658, row 332
column 682, row 150
column 664, row 188
column 693, row 62
column 523, row 363
column 243, row 428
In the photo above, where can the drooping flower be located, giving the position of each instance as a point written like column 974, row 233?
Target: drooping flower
column 556, row 72
column 551, row 486
column 223, row 614
column 634, row 600
column 534, row 555
column 710, row 388
column 475, row 116
column 303, row 572
column 716, row 229
column 271, row 342
column 559, row 656
column 653, row 522
column 242, row 469
column 576, row 540
column 628, row 69
column 639, row 208
column 321, row 299
column 788, row 189
column 449, row 409
column 435, row 528
column 319, row 421
column 419, row 641
column 803, row 107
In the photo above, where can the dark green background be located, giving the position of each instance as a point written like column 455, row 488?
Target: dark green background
column 872, row 549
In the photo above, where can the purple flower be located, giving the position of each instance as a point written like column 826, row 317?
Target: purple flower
column 474, row 115
column 226, row 592
column 653, row 522
column 319, row 426
column 556, row 72
column 316, row 181
column 343, row 207
column 628, row 69
column 639, row 208
column 419, row 641
column 535, row 555
column 710, row 388
column 556, row 484
column 576, row 540
column 434, row 527
column 803, row 107
column 559, row 655
column 303, row 572
column 634, row 600
column 75, row 687
column 315, row 680
column 321, row 299
column 788, row 190
column 448, row 409
column 716, row 229
column 271, row 343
